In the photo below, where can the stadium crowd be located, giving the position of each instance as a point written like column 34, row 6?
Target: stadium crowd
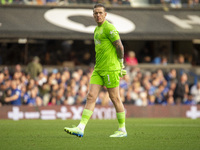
column 40, row 87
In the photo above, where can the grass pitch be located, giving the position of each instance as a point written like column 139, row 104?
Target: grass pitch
column 143, row 134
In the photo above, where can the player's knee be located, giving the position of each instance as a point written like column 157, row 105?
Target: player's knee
column 91, row 97
column 115, row 98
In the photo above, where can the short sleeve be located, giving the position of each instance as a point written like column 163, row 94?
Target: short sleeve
column 112, row 33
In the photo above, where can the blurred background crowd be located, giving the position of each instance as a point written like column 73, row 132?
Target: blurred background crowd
column 35, row 85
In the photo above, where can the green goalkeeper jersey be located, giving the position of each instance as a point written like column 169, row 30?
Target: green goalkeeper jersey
column 106, row 54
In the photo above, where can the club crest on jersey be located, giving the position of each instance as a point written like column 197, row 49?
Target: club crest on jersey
column 113, row 33
column 101, row 31
column 97, row 41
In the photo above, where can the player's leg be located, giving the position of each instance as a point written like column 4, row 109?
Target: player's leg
column 111, row 80
column 115, row 97
column 90, row 105
column 95, row 86
column 87, row 112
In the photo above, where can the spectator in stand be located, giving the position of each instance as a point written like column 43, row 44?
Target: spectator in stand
column 41, row 79
column 44, row 93
column 100, row 98
column 114, row 3
column 142, row 100
column 80, row 72
column 172, row 85
column 157, row 60
column 76, row 76
column 182, row 89
column 52, row 102
column 175, row 3
column 195, row 92
column 124, row 82
column 169, row 101
column 1, row 94
column 7, row 75
column 151, row 100
column 48, row 2
column 30, row 85
column 15, row 96
column 71, row 92
column 58, row 77
column 52, row 79
column 126, row 2
column 81, row 94
column 160, row 94
column 131, row 59
column 17, row 75
column 4, row 86
column 133, row 73
column 136, row 90
column 33, row 99
column 189, row 100
column 65, row 78
column 24, row 95
column 70, row 97
column 84, row 83
column 54, row 89
column 193, row 3
column 160, row 76
column 60, row 98
column 171, row 75
column 128, row 97
column 150, row 88
column 34, row 67
column 1, row 77
column 164, row 60
column 103, row 98
column 180, row 59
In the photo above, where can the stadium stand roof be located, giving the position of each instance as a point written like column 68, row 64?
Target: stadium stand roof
column 78, row 23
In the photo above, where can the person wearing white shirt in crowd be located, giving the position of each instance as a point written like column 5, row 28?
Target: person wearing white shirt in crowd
column 195, row 91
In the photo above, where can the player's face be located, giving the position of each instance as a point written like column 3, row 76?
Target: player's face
column 99, row 15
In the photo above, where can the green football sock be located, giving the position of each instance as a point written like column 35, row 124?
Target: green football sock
column 86, row 116
column 121, row 119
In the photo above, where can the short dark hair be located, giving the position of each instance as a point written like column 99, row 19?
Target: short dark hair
column 99, row 5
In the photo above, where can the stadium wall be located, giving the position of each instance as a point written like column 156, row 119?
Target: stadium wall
column 77, row 23
column 74, row 112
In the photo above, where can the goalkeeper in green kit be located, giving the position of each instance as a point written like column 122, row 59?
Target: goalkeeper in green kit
column 107, row 72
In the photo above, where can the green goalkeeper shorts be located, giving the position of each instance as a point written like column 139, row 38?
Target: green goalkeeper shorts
column 110, row 79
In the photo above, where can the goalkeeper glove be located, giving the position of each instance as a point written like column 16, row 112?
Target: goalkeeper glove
column 122, row 72
column 121, row 61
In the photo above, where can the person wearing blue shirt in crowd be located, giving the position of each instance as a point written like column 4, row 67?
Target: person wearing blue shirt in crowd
column 15, row 97
column 32, row 98
column 189, row 100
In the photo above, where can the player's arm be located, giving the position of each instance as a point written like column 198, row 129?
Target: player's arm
column 120, row 54
column 120, row 51
column 119, row 48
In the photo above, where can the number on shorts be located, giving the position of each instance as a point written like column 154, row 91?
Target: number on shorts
column 108, row 78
